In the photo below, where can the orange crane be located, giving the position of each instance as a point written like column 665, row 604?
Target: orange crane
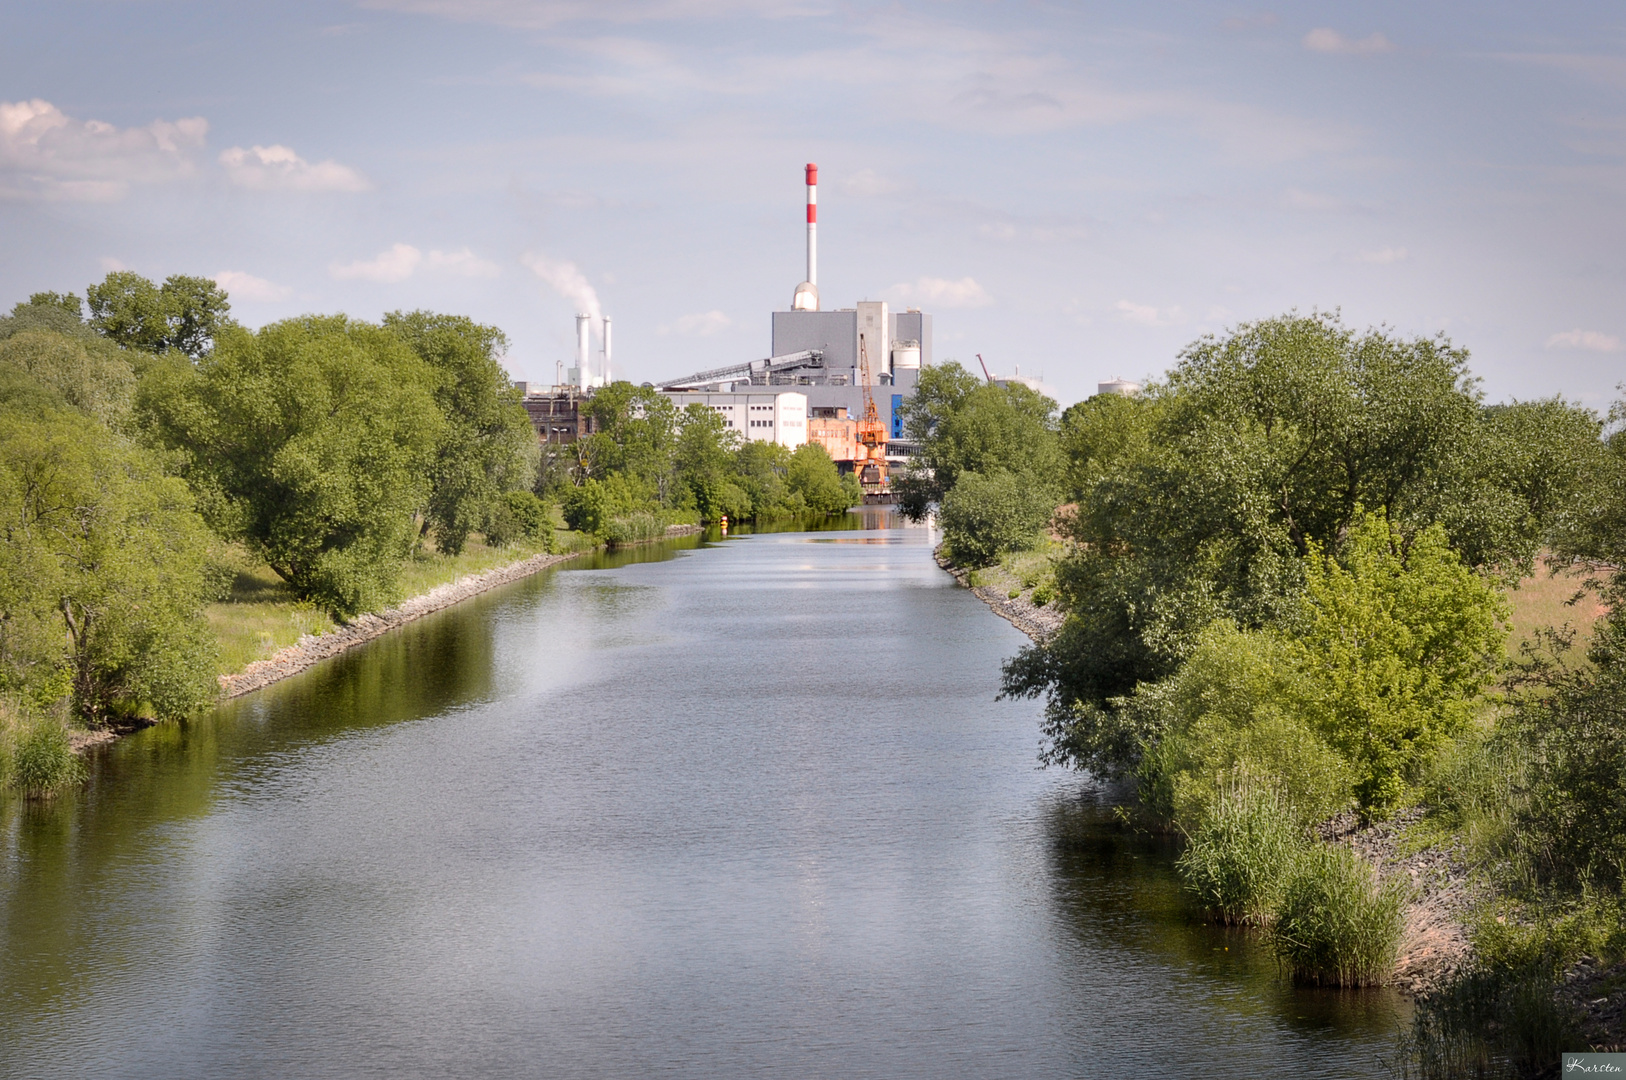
column 871, row 462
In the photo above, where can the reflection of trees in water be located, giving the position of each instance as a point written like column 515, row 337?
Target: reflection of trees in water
column 1118, row 899
column 59, row 856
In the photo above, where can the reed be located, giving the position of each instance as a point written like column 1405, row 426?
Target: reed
column 1333, row 924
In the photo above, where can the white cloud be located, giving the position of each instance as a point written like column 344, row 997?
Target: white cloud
column 45, row 153
column 568, row 281
column 401, row 261
column 247, row 287
column 1384, row 256
column 278, row 168
column 1147, row 315
column 1588, row 340
column 1327, row 40
column 943, row 293
column 700, row 324
column 396, row 264
column 463, row 263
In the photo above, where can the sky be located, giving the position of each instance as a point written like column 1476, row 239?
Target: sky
column 1077, row 191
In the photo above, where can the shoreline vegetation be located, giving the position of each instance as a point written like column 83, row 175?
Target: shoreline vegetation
column 182, row 497
column 1353, row 636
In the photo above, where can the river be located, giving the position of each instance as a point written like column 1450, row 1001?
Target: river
column 709, row 809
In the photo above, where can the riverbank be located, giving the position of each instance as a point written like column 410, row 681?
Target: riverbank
column 314, row 648
column 1434, row 942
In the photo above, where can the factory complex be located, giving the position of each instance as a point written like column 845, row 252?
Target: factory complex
column 836, row 378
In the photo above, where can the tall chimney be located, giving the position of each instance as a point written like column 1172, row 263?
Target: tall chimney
column 584, row 353
column 606, row 350
column 812, row 224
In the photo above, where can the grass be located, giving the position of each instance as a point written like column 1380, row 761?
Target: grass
column 36, row 757
column 1017, row 572
column 1238, row 859
column 1542, row 600
column 1334, row 925
column 261, row 615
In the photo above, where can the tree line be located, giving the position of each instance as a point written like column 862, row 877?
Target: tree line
column 142, row 429
column 648, row 464
column 1284, row 570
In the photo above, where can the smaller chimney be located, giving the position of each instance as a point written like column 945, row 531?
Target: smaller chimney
column 606, row 350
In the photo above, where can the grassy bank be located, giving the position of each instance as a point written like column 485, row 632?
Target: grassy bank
column 260, row 615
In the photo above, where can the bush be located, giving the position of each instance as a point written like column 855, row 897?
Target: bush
column 519, row 515
column 1570, row 826
column 984, row 516
column 1239, row 858
column 1334, row 925
column 42, row 760
column 1230, row 715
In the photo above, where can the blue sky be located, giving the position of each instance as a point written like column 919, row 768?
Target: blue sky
column 1078, row 190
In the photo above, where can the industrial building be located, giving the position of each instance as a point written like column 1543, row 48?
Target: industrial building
column 768, row 414
column 838, row 378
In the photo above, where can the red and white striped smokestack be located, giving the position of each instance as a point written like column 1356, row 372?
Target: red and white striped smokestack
column 812, row 224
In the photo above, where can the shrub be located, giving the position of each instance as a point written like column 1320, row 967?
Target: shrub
column 1231, row 715
column 519, row 515
column 1042, row 595
column 1238, row 859
column 1571, row 825
column 43, row 761
column 984, row 516
column 1397, row 642
column 1334, row 925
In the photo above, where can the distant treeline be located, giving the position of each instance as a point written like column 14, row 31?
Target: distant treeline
column 1283, row 569
column 649, row 464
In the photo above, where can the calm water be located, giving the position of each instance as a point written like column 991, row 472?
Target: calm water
column 745, row 809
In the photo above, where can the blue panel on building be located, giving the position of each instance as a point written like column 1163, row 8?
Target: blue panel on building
column 897, row 416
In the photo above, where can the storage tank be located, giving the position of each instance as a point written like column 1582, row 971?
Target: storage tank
column 1121, row 387
column 905, row 355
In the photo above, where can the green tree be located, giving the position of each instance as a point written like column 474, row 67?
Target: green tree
column 984, row 516
column 966, row 425
column 104, row 570
column 760, row 469
column 311, row 442
column 184, row 313
column 91, row 375
column 487, row 446
column 635, row 434
column 702, row 458
column 1260, row 446
column 812, row 475
column 1398, row 641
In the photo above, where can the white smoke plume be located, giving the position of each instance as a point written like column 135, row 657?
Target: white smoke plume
column 569, row 282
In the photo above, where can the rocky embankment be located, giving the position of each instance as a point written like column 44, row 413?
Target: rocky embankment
column 313, row 648
column 1434, row 942
column 1020, row 611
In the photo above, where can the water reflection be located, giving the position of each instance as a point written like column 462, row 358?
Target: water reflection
column 709, row 807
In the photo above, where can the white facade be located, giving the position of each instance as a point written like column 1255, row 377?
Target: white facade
column 766, row 413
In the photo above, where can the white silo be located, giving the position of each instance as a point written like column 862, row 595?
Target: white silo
column 905, row 356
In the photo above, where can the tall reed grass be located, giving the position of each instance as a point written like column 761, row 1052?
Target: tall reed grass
column 1334, row 924
column 36, row 756
column 1239, row 857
